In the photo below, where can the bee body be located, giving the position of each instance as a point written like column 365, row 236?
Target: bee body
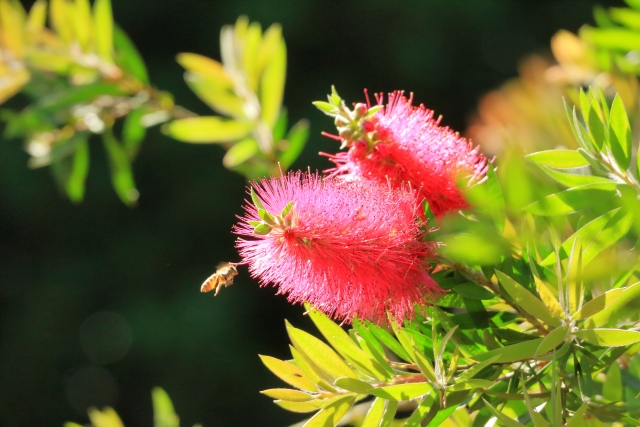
column 222, row 277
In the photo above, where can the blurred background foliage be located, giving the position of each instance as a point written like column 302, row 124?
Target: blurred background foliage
column 100, row 302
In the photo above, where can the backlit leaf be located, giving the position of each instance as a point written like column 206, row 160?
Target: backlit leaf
column 121, row 171
column 608, row 337
column 564, row 159
column 127, row 56
column 272, row 85
column 612, row 388
column 571, row 200
column 296, row 140
column 240, row 152
column 331, row 414
column 597, row 304
column 402, row 391
column 620, row 134
column 526, row 300
column 103, row 29
column 374, row 416
column 288, row 373
column 288, row 394
column 629, row 294
column 511, row 353
column 553, row 340
column 353, row 385
column 504, row 419
column 320, row 353
column 207, row 129
column 163, row 413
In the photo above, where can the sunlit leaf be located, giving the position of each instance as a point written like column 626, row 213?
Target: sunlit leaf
column 313, row 372
column 512, row 353
column 597, row 304
column 374, row 416
column 563, row 159
column 475, row 369
column 629, row 294
column 538, row 420
column 79, row 170
column 571, row 200
column 620, row 134
column 553, row 340
column 320, row 353
column 205, row 67
column 578, row 418
column 133, row 132
column 240, row 152
column 302, row 407
column 272, row 85
column 331, row 414
column 104, row 418
column 387, row 339
column 217, row 95
column 504, row 419
column 548, row 298
column 402, row 391
column 163, row 413
column 574, row 180
column 354, row 385
column 287, row 394
column 103, row 29
column 606, row 337
column 288, row 373
column 37, row 17
column 527, row 301
column 207, row 129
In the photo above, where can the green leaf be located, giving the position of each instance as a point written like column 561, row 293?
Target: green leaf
column 402, row 391
column 206, row 68
column 606, row 337
column 597, row 304
column 538, row 420
column 620, row 134
column 596, row 127
column 354, row 385
column 585, row 105
column 207, row 129
column 425, row 366
column 288, row 394
column 574, row 282
column 596, row 167
column 571, row 200
column 387, row 339
column 548, row 298
column 313, row 372
column 325, row 107
column 578, row 419
column 127, row 56
column 470, row 385
column 553, row 340
column 121, row 173
column 574, row 180
column 272, row 85
column 216, row 94
column 240, row 152
column 133, row 132
column 562, row 159
column 319, row 353
column 374, row 416
column 629, row 294
column 612, row 388
column 389, row 413
column 103, row 35
column 587, row 234
column 288, row 373
column 511, row 353
column 296, row 138
column 331, row 414
column 502, row 417
column 341, row 341
column 473, row 291
column 405, row 339
column 79, row 170
column 488, row 197
column 475, row 369
column 302, row 407
column 420, row 413
column 163, row 413
column 527, row 301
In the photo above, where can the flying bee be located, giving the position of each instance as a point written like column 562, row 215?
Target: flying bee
column 222, row 277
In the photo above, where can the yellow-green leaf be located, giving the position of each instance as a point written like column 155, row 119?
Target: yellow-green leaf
column 37, row 17
column 105, row 418
column 288, row 394
column 240, row 152
column 548, row 298
column 504, row 419
column 272, row 85
column 310, row 406
column 320, row 353
column 612, row 388
column 608, row 337
column 375, row 414
column 353, row 385
column 12, row 29
column 103, row 29
column 402, row 391
column 216, row 94
column 563, row 159
column 629, row 294
column 512, row 353
column 597, row 304
column 163, row 413
column 206, row 67
column 315, row 374
column 578, row 418
column 61, row 18
column 527, row 301
column 207, row 129
column 553, row 340
column 288, row 373
column 82, row 22
column 331, row 414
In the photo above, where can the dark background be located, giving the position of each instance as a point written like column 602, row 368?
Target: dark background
column 99, row 303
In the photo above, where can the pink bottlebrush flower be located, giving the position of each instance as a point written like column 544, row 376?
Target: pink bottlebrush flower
column 404, row 144
column 350, row 248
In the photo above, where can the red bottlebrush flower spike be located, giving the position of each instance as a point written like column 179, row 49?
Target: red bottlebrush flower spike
column 350, row 248
column 404, row 144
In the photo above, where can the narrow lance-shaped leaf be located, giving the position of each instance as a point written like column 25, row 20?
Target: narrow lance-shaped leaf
column 163, row 413
column 82, row 22
column 571, row 200
column 103, row 29
column 331, row 414
column 375, row 414
column 288, row 373
column 597, row 304
column 629, row 294
column 574, row 285
column 402, row 391
column 563, row 159
column 320, row 353
column 527, row 301
column 608, row 337
column 79, row 170
column 272, row 85
column 288, row 394
column 504, row 419
column 548, row 298
column 620, row 134
column 207, row 129
column 121, row 172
